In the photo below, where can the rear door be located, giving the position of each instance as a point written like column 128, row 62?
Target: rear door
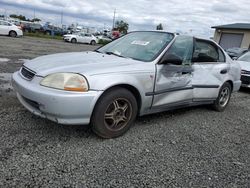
column 88, row 38
column 174, row 75
column 210, row 70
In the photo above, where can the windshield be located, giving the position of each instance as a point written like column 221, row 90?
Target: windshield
column 142, row 46
column 245, row 57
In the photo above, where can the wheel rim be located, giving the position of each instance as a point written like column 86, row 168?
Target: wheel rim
column 224, row 96
column 12, row 34
column 118, row 114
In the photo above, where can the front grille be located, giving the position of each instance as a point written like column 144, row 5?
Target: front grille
column 245, row 72
column 28, row 74
column 31, row 103
column 245, row 80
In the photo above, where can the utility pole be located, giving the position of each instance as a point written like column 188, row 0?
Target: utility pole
column 34, row 13
column 114, row 19
column 62, row 18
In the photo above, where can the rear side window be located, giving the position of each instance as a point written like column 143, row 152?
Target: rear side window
column 207, row 52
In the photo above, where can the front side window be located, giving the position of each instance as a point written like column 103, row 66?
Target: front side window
column 205, row 51
column 142, row 46
column 180, row 51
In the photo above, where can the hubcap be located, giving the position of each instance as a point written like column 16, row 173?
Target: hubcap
column 118, row 114
column 224, row 97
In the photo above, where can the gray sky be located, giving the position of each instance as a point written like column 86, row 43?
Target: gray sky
column 187, row 16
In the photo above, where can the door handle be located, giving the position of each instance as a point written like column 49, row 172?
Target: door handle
column 224, row 71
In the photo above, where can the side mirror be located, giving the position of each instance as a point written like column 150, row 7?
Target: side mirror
column 171, row 59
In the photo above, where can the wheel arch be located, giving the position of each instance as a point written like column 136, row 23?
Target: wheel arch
column 231, row 83
column 130, row 88
column 12, row 31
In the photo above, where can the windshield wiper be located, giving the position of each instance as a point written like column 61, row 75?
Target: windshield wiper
column 97, row 51
column 112, row 53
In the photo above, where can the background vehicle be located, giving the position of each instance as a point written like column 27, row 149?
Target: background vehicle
column 103, row 39
column 6, row 28
column 81, row 38
column 138, row 74
column 236, row 52
column 50, row 29
column 244, row 62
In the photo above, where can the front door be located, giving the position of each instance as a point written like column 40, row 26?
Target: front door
column 174, row 75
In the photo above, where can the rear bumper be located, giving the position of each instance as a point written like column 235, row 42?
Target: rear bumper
column 245, row 80
column 59, row 106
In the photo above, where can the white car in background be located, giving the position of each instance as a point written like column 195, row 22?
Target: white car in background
column 7, row 28
column 80, row 38
column 244, row 62
column 103, row 38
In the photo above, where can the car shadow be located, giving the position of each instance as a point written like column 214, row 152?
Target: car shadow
column 245, row 90
column 66, row 132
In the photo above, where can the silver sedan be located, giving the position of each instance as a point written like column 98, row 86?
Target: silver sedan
column 141, row 73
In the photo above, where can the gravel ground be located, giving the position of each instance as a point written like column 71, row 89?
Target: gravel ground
column 192, row 147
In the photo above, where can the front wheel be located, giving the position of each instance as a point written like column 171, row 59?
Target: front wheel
column 73, row 40
column 93, row 42
column 223, row 98
column 13, row 34
column 114, row 113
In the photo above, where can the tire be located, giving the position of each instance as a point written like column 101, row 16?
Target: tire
column 13, row 34
column 93, row 42
column 223, row 98
column 73, row 40
column 114, row 113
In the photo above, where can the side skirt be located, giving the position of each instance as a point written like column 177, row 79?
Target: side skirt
column 178, row 105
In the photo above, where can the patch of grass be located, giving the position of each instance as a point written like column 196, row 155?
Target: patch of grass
column 41, row 35
column 103, row 42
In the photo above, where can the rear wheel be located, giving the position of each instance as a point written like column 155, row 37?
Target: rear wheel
column 223, row 98
column 114, row 113
column 13, row 34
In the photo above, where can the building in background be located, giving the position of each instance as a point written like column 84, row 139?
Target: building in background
column 233, row 35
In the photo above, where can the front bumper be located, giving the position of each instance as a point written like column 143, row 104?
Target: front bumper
column 59, row 106
column 66, row 39
column 19, row 33
column 245, row 79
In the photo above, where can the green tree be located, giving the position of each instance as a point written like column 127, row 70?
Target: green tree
column 35, row 20
column 122, row 26
column 20, row 17
column 159, row 27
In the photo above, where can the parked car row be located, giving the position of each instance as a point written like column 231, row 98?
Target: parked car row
column 234, row 53
column 86, row 38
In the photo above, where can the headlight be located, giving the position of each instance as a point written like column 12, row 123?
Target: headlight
column 66, row 81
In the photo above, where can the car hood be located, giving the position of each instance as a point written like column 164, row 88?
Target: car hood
column 244, row 65
column 82, row 62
